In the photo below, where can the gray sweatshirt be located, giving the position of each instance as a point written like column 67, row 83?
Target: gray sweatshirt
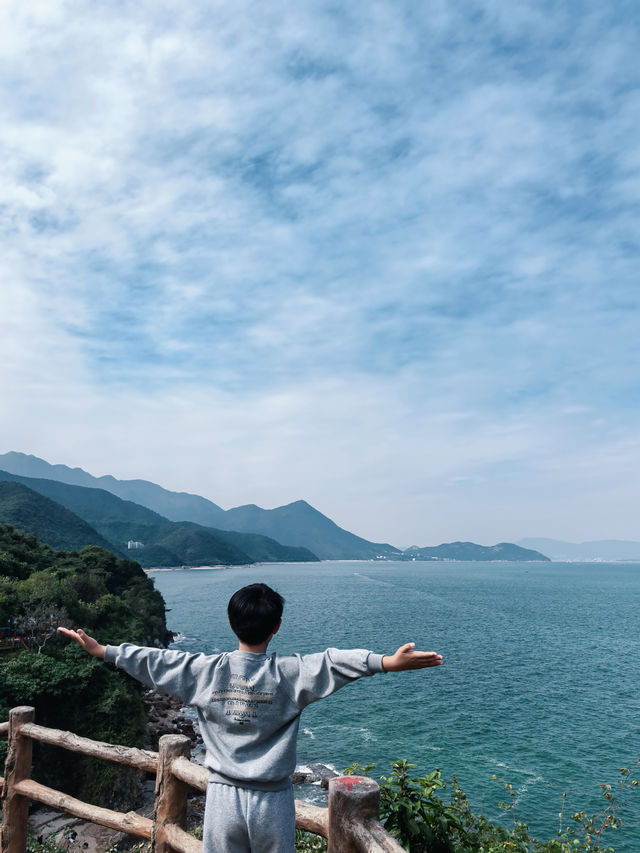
column 248, row 704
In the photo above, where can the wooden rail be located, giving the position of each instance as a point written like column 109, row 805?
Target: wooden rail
column 350, row 823
column 4, row 730
column 10, row 640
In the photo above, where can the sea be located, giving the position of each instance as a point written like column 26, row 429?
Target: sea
column 540, row 685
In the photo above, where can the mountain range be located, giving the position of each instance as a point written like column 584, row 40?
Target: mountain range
column 178, row 528
column 71, row 517
column 296, row 524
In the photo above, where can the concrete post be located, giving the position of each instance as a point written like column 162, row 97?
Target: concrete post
column 352, row 801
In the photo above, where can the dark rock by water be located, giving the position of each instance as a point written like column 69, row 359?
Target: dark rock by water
column 314, row 773
column 166, row 716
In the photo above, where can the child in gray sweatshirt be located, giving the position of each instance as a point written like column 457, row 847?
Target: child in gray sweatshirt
column 248, row 705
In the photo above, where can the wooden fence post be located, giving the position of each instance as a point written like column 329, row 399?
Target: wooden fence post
column 15, row 808
column 352, row 800
column 171, row 793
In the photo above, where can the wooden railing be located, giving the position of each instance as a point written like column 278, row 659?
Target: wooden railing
column 350, row 823
column 10, row 640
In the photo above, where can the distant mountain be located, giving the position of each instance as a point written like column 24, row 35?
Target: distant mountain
column 297, row 524
column 176, row 506
column 605, row 550
column 166, row 543
column 470, row 551
column 50, row 522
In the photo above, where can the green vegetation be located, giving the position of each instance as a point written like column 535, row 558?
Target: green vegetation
column 112, row 599
column 48, row 846
column 307, row 842
column 49, row 521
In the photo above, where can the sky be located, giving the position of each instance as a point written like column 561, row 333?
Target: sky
column 381, row 256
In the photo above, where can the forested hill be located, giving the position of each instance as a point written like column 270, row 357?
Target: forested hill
column 469, row 551
column 166, row 543
column 112, row 599
column 51, row 522
column 91, row 587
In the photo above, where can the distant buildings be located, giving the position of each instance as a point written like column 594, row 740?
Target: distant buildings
column 132, row 545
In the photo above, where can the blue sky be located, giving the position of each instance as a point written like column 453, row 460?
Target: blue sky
column 382, row 256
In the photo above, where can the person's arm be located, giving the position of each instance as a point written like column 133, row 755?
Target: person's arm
column 316, row 676
column 406, row 657
column 171, row 671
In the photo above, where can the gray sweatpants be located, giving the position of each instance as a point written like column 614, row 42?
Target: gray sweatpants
column 240, row 820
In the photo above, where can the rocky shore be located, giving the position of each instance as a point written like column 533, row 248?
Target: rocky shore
column 166, row 715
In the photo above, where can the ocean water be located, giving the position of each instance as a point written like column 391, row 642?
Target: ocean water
column 541, row 682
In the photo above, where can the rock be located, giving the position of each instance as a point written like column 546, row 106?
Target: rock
column 165, row 716
column 313, row 773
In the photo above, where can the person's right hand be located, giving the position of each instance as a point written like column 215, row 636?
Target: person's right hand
column 407, row 657
column 88, row 643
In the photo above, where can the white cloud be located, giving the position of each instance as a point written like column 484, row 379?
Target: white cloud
column 386, row 262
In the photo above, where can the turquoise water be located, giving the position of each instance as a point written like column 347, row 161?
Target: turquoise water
column 541, row 682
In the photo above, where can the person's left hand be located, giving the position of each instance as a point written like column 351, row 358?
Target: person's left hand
column 88, row 643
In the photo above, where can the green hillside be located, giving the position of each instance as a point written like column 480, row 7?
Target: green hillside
column 264, row 549
column 51, row 522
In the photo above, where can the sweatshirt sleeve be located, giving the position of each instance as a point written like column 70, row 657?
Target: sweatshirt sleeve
column 170, row 671
column 315, row 676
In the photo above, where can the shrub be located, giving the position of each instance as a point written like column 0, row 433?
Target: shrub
column 412, row 809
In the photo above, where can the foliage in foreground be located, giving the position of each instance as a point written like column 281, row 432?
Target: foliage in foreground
column 412, row 810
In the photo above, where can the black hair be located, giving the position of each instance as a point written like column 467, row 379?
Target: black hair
column 254, row 612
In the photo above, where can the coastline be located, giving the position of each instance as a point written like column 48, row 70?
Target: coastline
column 196, row 568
